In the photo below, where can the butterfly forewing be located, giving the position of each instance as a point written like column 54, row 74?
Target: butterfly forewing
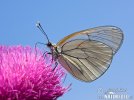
column 109, row 35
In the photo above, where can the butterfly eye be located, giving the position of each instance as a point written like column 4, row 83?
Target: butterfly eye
column 49, row 44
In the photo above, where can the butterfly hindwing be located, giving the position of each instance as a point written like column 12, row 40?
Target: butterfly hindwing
column 86, row 60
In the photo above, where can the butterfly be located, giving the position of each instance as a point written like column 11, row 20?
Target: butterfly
column 87, row 54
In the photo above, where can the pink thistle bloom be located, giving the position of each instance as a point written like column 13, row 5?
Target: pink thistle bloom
column 26, row 75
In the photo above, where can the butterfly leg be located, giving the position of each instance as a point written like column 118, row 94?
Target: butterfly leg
column 45, row 53
column 37, row 43
column 56, row 64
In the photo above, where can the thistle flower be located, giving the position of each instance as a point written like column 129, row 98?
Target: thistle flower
column 26, row 75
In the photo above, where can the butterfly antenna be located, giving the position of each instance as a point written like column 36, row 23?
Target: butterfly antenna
column 42, row 30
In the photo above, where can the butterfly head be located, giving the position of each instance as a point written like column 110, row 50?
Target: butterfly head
column 51, row 46
column 54, row 50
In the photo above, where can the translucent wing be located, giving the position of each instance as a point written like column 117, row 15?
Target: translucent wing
column 109, row 35
column 87, row 54
column 87, row 60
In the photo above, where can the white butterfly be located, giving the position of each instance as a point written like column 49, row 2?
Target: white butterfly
column 87, row 54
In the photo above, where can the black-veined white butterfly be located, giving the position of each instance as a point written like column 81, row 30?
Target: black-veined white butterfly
column 87, row 54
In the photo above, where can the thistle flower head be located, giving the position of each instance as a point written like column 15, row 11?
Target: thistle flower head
column 26, row 75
